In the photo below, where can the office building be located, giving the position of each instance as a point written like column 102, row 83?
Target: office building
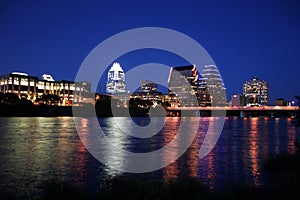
column 148, row 86
column 213, row 82
column 33, row 88
column 116, row 80
column 238, row 100
column 256, row 92
column 186, row 87
column 148, row 91
column 281, row 102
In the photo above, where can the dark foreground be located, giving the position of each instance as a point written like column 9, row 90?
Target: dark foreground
column 30, row 110
column 282, row 169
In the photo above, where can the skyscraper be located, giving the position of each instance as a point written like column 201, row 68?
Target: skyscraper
column 116, row 80
column 185, row 85
column 214, row 84
column 256, row 92
column 148, row 86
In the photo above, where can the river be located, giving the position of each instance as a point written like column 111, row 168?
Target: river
column 35, row 150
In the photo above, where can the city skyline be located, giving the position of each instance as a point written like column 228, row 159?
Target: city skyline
column 244, row 39
column 115, row 70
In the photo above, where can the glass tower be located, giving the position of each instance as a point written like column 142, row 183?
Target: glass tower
column 214, row 84
column 187, row 87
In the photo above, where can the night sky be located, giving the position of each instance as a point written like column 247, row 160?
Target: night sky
column 245, row 39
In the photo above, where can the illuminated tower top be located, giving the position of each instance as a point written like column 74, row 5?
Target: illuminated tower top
column 115, row 80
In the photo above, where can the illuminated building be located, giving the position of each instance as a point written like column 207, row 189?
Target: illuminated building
column 116, row 80
column 187, row 88
column 214, row 84
column 32, row 88
column 256, row 92
column 238, row 100
column 281, row 102
column 148, row 91
column 148, row 86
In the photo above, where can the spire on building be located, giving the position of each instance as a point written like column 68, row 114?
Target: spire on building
column 116, row 80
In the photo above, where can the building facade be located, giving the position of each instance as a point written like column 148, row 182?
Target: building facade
column 148, row 86
column 238, row 100
column 116, row 80
column 214, row 85
column 33, row 88
column 256, row 92
column 148, row 91
column 187, row 88
column 281, row 102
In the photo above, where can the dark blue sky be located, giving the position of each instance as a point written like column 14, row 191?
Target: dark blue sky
column 245, row 39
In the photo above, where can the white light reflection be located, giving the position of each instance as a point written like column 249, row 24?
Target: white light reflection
column 112, row 152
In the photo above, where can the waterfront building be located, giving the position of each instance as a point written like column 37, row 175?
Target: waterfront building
column 187, row 88
column 32, row 88
column 148, row 86
column 153, row 97
column 214, row 85
column 170, row 99
column 116, row 80
column 148, row 91
column 256, row 92
column 238, row 100
column 281, row 102
column 203, row 95
column 182, row 85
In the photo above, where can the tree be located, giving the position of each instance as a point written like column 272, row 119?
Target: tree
column 9, row 99
column 49, row 99
column 297, row 141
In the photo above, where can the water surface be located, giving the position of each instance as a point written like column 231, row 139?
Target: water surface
column 35, row 150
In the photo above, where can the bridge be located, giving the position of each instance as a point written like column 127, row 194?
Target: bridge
column 243, row 111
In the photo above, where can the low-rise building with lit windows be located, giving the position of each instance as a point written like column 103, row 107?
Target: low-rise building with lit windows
column 238, row 100
column 33, row 88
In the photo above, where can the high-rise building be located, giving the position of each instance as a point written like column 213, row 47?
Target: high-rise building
column 148, row 86
column 148, row 91
column 187, row 88
column 256, row 92
column 116, row 80
column 214, row 84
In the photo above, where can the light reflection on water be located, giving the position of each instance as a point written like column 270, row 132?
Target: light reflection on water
column 35, row 150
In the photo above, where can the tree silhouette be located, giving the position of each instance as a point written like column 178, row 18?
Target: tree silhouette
column 9, row 99
column 297, row 140
column 49, row 99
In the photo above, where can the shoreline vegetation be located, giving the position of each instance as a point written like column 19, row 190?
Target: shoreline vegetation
column 50, row 106
column 282, row 169
column 89, row 110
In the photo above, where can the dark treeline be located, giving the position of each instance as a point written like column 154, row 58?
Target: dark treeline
column 13, row 106
column 107, row 107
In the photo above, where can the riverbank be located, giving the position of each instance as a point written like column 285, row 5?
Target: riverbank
column 30, row 110
column 34, row 111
